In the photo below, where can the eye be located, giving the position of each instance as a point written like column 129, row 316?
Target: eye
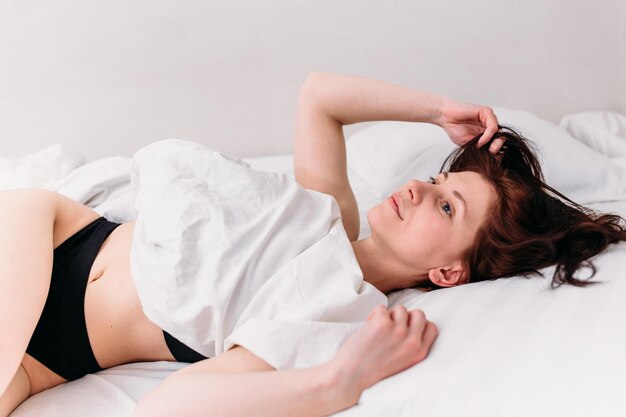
column 445, row 203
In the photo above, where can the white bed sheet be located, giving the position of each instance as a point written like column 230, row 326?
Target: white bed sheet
column 511, row 347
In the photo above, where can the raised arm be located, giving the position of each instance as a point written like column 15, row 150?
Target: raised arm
column 237, row 383
column 329, row 101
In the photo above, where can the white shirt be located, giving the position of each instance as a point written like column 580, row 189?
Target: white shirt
column 223, row 254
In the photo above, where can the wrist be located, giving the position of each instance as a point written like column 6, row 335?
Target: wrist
column 438, row 104
column 343, row 382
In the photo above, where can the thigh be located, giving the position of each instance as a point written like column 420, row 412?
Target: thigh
column 40, row 377
column 26, row 236
column 16, row 393
column 32, row 223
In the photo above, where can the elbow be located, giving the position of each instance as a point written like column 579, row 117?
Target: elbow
column 313, row 78
column 312, row 85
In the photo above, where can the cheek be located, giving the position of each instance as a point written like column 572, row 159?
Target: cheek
column 420, row 236
column 429, row 239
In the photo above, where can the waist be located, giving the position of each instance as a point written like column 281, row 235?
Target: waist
column 119, row 331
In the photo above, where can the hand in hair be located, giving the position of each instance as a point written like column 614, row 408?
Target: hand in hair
column 463, row 122
column 531, row 225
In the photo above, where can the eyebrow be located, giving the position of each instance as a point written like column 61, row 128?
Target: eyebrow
column 457, row 195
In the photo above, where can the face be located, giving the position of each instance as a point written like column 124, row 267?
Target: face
column 433, row 223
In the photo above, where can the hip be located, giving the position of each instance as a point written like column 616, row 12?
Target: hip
column 118, row 330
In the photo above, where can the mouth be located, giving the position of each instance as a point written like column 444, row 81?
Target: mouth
column 394, row 204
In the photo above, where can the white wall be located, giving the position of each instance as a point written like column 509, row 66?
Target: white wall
column 108, row 77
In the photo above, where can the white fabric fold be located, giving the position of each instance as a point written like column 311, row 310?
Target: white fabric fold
column 39, row 169
column 218, row 244
column 604, row 132
column 103, row 185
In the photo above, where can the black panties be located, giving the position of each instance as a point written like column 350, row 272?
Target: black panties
column 60, row 341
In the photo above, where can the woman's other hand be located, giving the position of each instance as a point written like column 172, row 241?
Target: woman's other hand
column 391, row 341
column 463, row 121
column 241, row 384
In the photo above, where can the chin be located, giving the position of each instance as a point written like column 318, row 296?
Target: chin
column 373, row 219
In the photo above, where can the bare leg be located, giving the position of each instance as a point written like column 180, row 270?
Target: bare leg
column 17, row 392
column 26, row 248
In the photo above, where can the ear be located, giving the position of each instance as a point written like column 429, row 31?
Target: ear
column 447, row 276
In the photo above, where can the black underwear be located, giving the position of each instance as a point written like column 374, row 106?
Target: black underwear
column 60, row 341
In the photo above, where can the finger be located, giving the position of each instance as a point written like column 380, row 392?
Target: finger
column 417, row 322
column 379, row 310
column 490, row 121
column 496, row 145
column 399, row 315
column 487, row 135
column 490, row 118
column 430, row 334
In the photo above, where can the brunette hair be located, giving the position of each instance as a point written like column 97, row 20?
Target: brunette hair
column 530, row 225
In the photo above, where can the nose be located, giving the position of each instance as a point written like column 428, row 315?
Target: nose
column 416, row 190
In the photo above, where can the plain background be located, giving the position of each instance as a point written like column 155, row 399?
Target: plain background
column 105, row 78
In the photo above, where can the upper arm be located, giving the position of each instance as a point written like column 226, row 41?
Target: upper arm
column 320, row 155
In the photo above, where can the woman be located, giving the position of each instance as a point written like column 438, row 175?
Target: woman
column 426, row 233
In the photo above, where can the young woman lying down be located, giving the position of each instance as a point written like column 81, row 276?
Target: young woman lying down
column 261, row 282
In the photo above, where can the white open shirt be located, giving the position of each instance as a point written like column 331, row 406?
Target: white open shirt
column 225, row 255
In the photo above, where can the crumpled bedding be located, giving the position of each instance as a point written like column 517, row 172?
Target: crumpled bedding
column 604, row 132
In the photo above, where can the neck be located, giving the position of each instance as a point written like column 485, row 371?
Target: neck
column 383, row 275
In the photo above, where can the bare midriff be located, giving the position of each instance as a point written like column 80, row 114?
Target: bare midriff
column 118, row 330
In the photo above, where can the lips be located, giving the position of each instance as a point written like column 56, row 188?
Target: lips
column 395, row 202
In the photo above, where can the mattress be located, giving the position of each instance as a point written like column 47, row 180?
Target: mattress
column 512, row 347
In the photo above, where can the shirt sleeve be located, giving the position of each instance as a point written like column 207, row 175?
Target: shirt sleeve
column 304, row 312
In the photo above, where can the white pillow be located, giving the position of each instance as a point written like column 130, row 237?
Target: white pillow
column 39, row 169
column 604, row 132
column 388, row 154
column 514, row 347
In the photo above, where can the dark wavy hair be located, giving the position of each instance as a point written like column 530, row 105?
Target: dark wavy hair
column 530, row 225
